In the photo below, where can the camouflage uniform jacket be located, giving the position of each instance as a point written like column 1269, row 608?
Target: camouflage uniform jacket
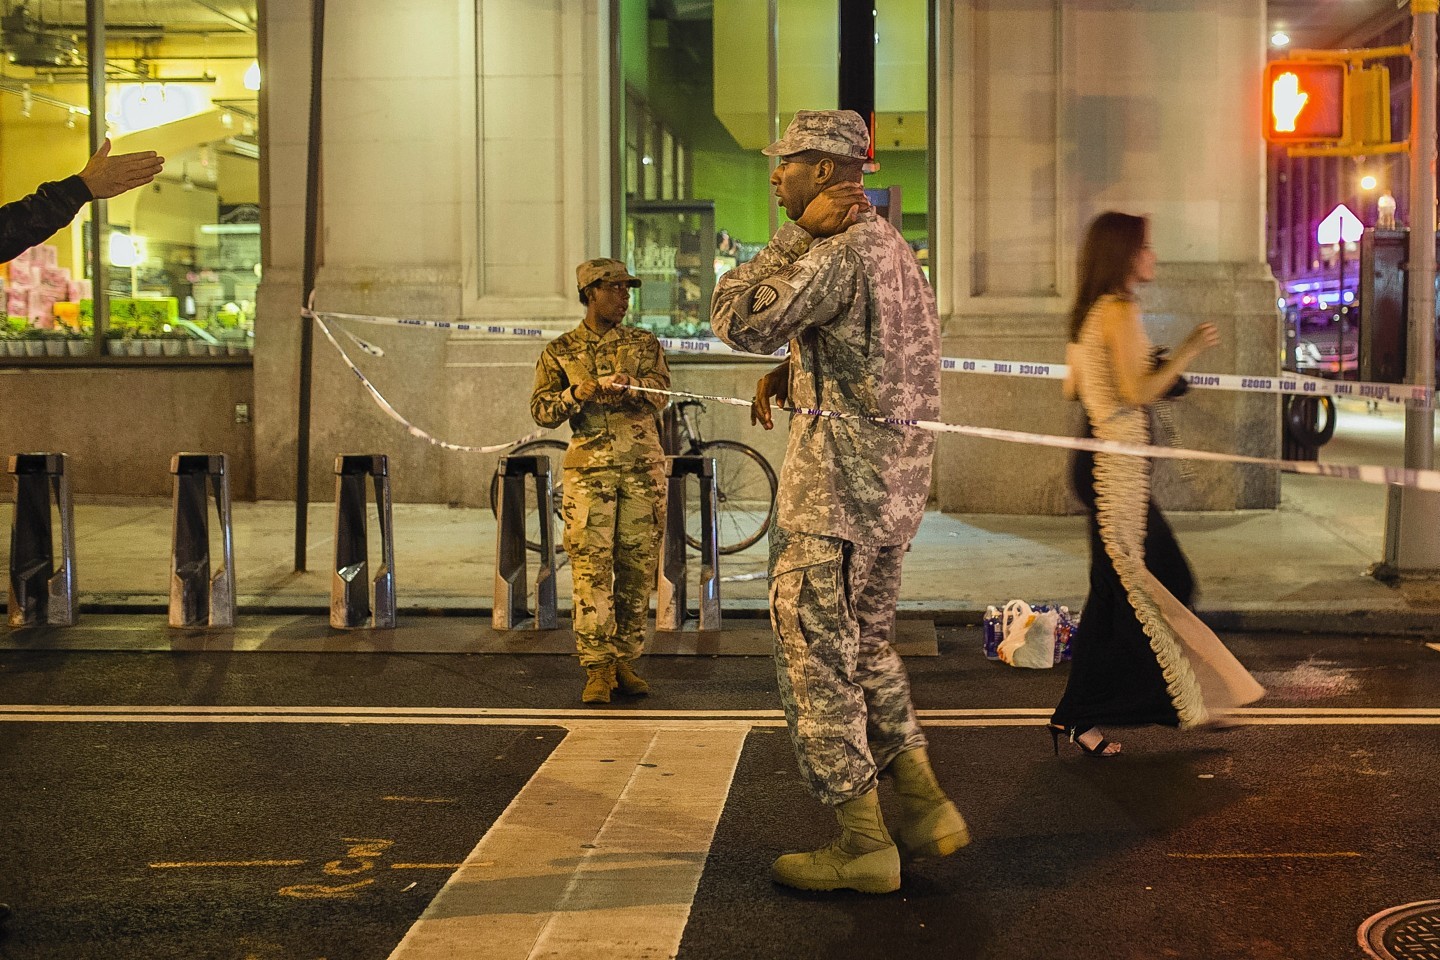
column 35, row 219
column 865, row 339
column 623, row 433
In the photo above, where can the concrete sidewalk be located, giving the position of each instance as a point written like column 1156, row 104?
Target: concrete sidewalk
column 1302, row 566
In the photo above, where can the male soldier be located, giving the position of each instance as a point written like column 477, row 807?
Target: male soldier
column 843, row 287
column 614, row 472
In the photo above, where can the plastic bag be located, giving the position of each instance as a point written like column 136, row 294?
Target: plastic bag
column 1024, row 626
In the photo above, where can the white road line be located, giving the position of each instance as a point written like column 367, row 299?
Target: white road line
column 386, row 711
column 641, row 718
column 616, row 721
column 569, row 723
column 316, row 714
column 614, row 877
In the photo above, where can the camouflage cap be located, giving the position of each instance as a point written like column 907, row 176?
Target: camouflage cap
column 841, row 132
column 602, row 268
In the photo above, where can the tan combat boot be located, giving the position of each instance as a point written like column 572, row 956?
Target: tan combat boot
column 599, row 681
column 862, row 858
column 628, row 680
column 930, row 826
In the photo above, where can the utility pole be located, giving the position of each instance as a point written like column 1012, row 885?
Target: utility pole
column 857, row 61
column 307, row 282
column 1412, row 517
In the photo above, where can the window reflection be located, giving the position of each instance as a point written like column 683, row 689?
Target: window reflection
column 181, row 255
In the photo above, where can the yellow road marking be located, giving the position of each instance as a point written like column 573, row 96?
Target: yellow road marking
column 436, row 866
column 185, row 864
column 318, row 891
column 420, row 799
column 1263, row 856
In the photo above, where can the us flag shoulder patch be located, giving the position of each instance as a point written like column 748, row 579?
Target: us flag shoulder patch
column 763, row 298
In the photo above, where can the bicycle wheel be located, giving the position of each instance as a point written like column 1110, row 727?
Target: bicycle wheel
column 745, row 494
column 555, row 450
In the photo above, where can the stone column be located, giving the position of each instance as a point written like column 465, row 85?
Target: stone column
column 1049, row 114
column 465, row 164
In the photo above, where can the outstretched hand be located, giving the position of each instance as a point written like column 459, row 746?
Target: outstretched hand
column 834, row 210
column 108, row 176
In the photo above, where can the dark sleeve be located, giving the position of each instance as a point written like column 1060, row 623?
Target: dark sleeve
column 35, row 219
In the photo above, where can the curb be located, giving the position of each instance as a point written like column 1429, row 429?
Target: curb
column 1281, row 617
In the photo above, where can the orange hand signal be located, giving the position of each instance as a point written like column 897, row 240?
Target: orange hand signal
column 1286, row 102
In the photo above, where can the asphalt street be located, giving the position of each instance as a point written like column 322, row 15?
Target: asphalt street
column 290, row 806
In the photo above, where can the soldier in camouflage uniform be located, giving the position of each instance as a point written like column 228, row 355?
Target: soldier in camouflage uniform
column 614, row 472
column 845, row 290
column 33, row 219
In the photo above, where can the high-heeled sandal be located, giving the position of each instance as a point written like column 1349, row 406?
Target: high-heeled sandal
column 1074, row 734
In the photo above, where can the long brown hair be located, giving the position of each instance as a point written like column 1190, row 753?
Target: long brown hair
column 1106, row 258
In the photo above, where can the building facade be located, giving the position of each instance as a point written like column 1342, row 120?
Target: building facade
column 472, row 153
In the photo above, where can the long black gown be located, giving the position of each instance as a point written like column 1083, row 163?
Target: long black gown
column 1115, row 679
column 1140, row 655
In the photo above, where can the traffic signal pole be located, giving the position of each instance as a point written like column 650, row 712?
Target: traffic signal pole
column 1412, row 521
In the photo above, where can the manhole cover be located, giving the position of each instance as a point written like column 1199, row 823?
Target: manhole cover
column 1411, row 932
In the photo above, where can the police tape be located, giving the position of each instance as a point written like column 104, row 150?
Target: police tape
column 394, row 414
column 537, row 333
column 1397, row 476
column 1294, row 384
column 1297, row 384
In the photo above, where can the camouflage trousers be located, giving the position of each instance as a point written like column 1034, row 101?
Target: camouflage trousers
column 613, row 522
column 845, row 692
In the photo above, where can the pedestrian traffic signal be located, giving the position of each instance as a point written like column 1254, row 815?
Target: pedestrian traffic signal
column 1305, row 101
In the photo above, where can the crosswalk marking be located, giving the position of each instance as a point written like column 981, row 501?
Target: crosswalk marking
column 598, row 856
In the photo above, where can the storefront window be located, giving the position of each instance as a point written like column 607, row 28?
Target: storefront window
column 699, row 74
column 670, row 247
column 179, row 257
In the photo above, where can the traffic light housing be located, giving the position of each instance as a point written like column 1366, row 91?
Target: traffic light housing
column 1307, row 101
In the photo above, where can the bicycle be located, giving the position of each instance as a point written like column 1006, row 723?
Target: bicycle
column 745, row 485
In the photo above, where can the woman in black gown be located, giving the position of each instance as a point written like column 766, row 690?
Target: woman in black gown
column 1140, row 655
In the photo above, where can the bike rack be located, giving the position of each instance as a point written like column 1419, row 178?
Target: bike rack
column 670, row 430
column 671, row 608
column 350, row 604
column 509, row 609
column 1301, row 434
column 196, row 598
column 38, row 595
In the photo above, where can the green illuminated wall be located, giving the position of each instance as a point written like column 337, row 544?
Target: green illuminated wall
column 684, row 69
column 739, row 183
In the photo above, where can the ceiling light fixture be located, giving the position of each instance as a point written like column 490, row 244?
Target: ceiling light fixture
column 1279, row 39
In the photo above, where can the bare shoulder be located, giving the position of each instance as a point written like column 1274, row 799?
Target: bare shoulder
column 1117, row 314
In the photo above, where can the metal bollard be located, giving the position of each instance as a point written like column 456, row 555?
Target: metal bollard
column 38, row 594
column 671, row 608
column 350, row 601
column 196, row 598
column 511, row 591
